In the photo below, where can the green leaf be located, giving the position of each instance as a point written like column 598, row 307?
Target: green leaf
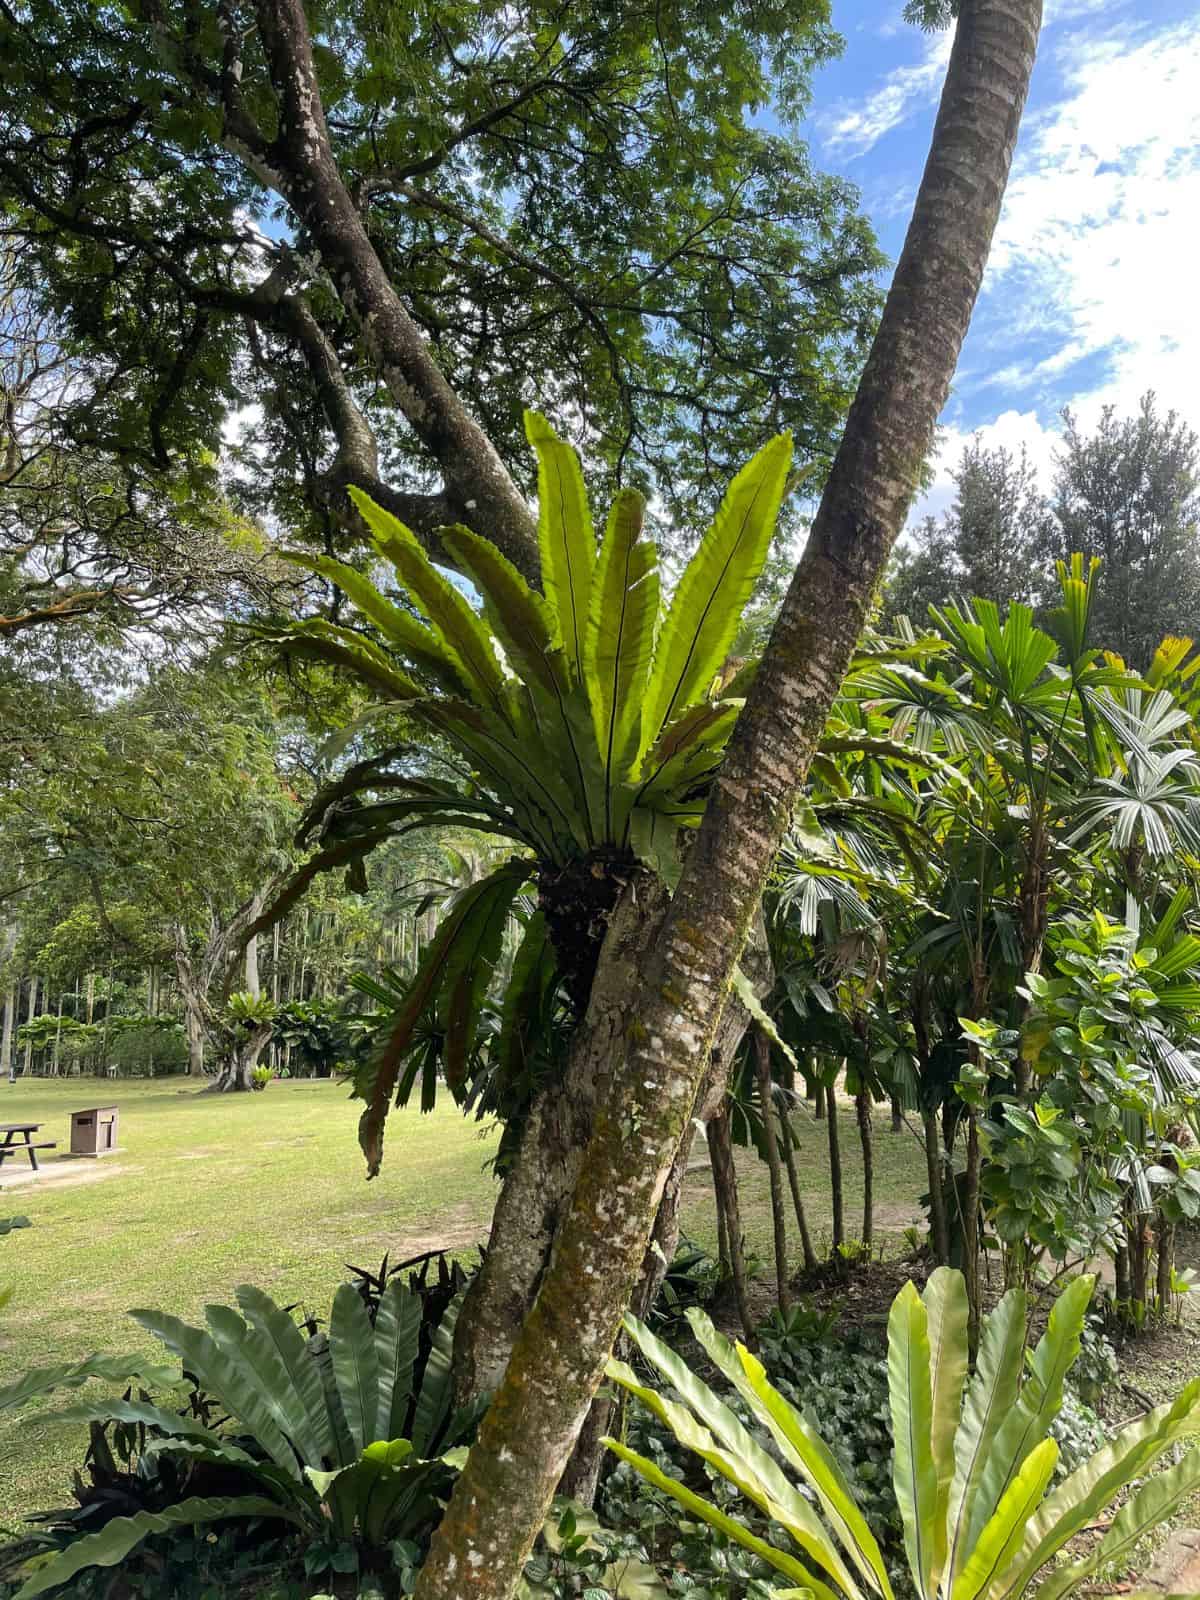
column 1153, row 1503
column 699, row 1507
column 1005, row 1529
column 450, row 616
column 397, row 1340
column 355, row 1360
column 565, row 537
column 437, row 1383
column 740, row 1460
column 945, row 1299
column 991, row 1394
column 318, row 640
column 619, row 645
column 417, row 643
column 40, row 1381
column 910, row 1395
column 292, row 1370
column 1028, row 1423
column 519, row 617
column 748, row 996
column 707, row 606
column 803, row 1447
column 219, row 1367
column 143, row 1414
column 1081, row 1497
column 422, row 995
column 118, row 1537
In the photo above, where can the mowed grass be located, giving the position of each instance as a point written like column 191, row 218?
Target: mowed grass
column 211, row 1191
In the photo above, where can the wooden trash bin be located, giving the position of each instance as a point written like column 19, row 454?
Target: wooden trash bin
column 94, row 1132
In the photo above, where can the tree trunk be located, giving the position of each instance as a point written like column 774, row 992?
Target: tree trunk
column 806, row 1244
column 546, row 1165
column 897, row 1114
column 836, row 1187
column 766, row 1095
column 653, row 1063
column 544, row 1171
column 862, row 1111
column 1164, row 1239
column 725, row 1186
column 7, row 1054
column 939, row 1233
column 241, row 1057
column 307, row 174
column 29, row 1016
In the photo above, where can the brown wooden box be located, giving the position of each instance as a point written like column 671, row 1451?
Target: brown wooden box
column 94, row 1132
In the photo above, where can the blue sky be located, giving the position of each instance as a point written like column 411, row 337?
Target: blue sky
column 1091, row 293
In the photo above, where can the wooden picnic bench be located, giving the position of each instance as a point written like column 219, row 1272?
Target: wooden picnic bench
column 12, row 1143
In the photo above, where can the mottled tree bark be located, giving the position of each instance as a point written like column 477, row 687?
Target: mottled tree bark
column 657, row 1057
column 766, row 1094
column 300, row 164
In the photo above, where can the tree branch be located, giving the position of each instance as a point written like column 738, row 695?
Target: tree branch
column 313, row 185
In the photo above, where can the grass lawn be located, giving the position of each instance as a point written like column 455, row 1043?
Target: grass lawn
column 207, row 1192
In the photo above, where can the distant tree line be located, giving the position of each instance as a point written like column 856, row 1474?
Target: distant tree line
column 1126, row 492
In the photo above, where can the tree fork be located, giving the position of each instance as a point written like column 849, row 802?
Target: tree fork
column 302, row 163
column 501, row 1499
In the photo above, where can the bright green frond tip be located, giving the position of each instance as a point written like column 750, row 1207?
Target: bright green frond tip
column 972, row 1478
column 585, row 718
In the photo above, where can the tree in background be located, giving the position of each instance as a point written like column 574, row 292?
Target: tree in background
column 1129, row 492
column 990, row 543
column 1126, row 492
column 383, row 238
column 85, row 530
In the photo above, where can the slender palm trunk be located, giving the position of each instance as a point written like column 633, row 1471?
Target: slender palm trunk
column 7, row 1055
column 654, row 1065
column 836, row 1185
column 725, row 1184
column 771, row 1133
column 806, row 1244
column 939, row 1233
column 970, row 1231
column 29, row 1016
column 862, row 1112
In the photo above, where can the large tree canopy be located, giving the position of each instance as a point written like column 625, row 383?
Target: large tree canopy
column 320, row 219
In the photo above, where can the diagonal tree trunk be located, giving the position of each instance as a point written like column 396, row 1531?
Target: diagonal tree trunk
column 661, row 1049
column 300, row 164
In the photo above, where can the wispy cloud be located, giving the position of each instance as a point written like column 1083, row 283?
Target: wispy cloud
column 1090, row 297
column 854, row 127
column 1100, row 234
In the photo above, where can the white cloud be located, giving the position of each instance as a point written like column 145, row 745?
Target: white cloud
column 1011, row 430
column 1101, row 227
column 851, row 129
column 1095, row 257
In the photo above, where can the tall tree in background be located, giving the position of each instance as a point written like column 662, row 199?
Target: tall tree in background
column 1129, row 492
column 666, row 969
column 382, row 232
column 992, row 541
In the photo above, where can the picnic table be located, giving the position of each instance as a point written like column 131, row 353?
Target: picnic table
column 16, row 1137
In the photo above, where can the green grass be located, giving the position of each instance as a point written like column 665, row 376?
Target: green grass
column 211, row 1191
